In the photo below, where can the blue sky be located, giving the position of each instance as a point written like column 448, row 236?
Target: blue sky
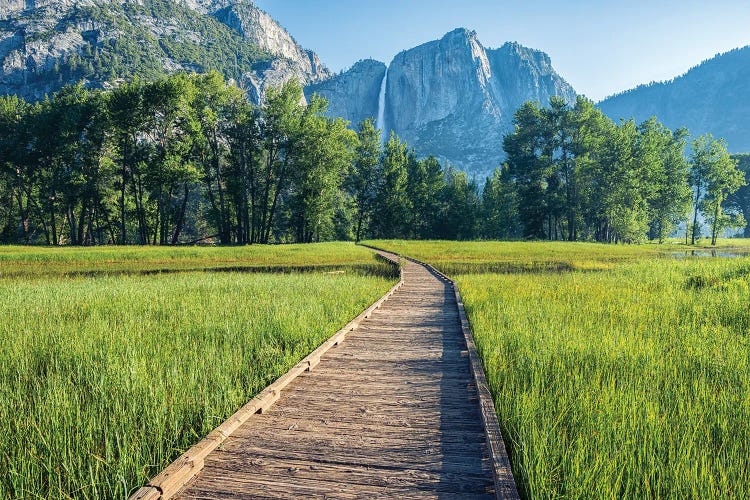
column 600, row 47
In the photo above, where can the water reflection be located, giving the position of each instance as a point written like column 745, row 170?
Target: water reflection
column 712, row 253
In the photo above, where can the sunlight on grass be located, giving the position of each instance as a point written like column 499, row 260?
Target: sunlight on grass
column 629, row 382
column 105, row 380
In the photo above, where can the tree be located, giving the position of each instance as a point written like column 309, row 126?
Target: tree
column 667, row 169
column 739, row 201
column 320, row 164
column 426, row 182
column 127, row 120
column 460, row 217
column 171, row 130
column 499, row 206
column 625, row 211
column 714, row 176
column 14, row 194
column 365, row 174
column 528, row 152
column 392, row 205
column 246, row 152
column 216, row 106
column 590, row 129
column 280, row 117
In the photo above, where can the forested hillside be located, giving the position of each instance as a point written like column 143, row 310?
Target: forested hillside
column 47, row 44
column 710, row 98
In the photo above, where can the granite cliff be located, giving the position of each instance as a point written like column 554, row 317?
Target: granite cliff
column 353, row 94
column 45, row 44
column 451, row 97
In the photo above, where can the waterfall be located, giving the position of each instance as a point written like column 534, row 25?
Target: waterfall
column 380, row 123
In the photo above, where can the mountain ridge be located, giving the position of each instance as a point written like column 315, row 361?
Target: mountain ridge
column 708, row 98
column 451, row 97
column 46, row 44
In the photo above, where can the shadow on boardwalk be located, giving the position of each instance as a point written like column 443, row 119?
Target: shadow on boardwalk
column 391, row 412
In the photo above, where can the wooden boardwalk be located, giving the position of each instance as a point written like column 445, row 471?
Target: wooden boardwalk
column 391, row 412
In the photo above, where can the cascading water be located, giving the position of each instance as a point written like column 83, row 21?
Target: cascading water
column 380, row 124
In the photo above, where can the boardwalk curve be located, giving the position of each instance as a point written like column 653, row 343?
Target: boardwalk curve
column 394, row 411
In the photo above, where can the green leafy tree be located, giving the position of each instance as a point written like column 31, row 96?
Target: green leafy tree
column 365, row 174
column 15, row 195
column 426, row 182
column 392, row 205
column 714, row 176
column 461, row 205
column 739, row 201
column 127, row 120
column 171, row 131
column 215, row 107
column 281, row 117
column 661, row 154
column 322, row 158
column 625, row 209
column 499, row 206
column 528, row 152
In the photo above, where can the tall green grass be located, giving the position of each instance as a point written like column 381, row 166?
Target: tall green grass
column 105, row 380
column 52, row 261
column 632, row 381
column 457, row 257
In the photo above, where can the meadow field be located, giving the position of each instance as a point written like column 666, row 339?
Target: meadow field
column 617, row 371
column 107, row 375
column 90, row 261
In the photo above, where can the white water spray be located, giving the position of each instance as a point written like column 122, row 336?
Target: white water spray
column 380, row 123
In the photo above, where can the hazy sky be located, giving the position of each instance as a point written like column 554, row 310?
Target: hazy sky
column 600, row 47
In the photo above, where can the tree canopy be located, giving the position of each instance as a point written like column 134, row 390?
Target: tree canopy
column 188, row 158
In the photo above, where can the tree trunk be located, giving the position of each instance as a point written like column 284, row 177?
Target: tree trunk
column 81, row 221
column 181, row 216
column 358, row 232
column 695, row 214
column 715, row 228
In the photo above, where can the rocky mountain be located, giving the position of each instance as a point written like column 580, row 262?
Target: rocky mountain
column 711, row 97
column 452, row 97
column 45, row 44
column 354, row 94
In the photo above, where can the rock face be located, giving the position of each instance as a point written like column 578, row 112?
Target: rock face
column 353, row 95
column 711, row 97
column 291, row 60
column 45, row 44
column 455, row 99
column 452, row 98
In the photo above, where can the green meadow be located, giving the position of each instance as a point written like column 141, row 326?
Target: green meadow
column 73, row 261
column 617, row 370
column 624, row 373
column 105, row 377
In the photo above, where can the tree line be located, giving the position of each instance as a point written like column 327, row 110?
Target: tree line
column 573, row 174
column 188, row 158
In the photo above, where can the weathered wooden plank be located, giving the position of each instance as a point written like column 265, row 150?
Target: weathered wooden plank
column 434, row 462
column 284, row 488
column 396, row 420
column 353, row 475
column 280, row 424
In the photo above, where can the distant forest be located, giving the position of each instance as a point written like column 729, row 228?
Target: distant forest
column 187, row 158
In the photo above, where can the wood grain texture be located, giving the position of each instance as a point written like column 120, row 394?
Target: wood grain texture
column 390, row 406
column 393, row 411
